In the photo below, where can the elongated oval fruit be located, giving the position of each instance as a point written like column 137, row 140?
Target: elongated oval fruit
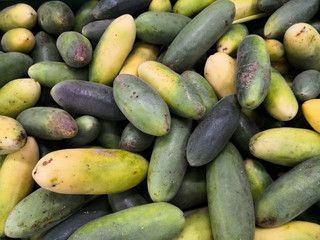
column 253, row 71
column 311, row 111
column 180, row 95
column 213, row 132
column 12, row 135
column 141, row 104
column 112, row 50
column 282, row 201
column 285, row 146
column 199, row 35
column 156, row 221
column 18, row 40
column 90, row 171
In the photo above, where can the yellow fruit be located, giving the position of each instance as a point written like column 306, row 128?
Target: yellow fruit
column 311, row 111
column 18, row 40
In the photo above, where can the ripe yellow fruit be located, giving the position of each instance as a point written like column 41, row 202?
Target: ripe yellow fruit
column 18, row 40
column 311, row 111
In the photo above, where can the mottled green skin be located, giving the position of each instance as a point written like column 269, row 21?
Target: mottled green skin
column 47, row 209
column 48, row 123
column 142, row 105
column 94, row 30
column 306, row 85
column 55, row 17
column 45, row 48
column 84, row 15
column 199, row 35
column 50, row 73
column 159, row 27
column 156, row 221
column 13, row 65
column 110, row 134
column 126, row 199
column 295, row 11
column 230, row 203
column 253, row 71
column 289, row 195
column 168, row 161
column 88, row 129
column 134, row 140
column 203, row 87
column 269, row 6
column 193, row 189
column 75, row 49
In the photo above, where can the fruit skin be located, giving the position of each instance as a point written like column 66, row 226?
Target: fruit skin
column 311, row 112
column 269, row 6
column 90, row 171
column 55, row 17
column 87, row 98
column 293, row 230
column 15, row 179
column 282, row 201
column 275, row 49
column 180, row 95
column 213, row 132
column 280, row 101
column 296, row 11
column 190, row 8
column 285, row 146
column 13, row 65
column 84, row 15
column 159, row 27
column 12, row 135
column 198, row 35
column 168, row 163
column 113, row 9
column 160, row 5
column 142, row 105
column 229, row 197
column 51, row 209
column 142, row 222
column 110, row 133
column 51, row 73
column 18, row 40
column 45, row 48
column 18, row 95
column 253, row 71
column 112, row 50
column 94, row 30
column 306, row 85
column 48, row 123
column 17, row 15
column 302, row 44
column 74, row 48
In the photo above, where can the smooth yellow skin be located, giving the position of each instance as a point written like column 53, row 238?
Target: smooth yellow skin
column 141, row 53
column 245, row 8
column 18, row 15
column 295, row 230
column 90, row 171
column 12, row 135
column 18, row 40
column 190, row 8
column 220, row 71
column 285, row 146
column 160, row 5
column 197, row 226
column 311, row 111
column 302, row 46
column 230, row 41
column 275, row 49
column 18, row 95
column 280, row 101
column 16, row 181
column 112, row 50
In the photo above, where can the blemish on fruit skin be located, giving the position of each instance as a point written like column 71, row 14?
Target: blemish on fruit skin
column 105, row 153
column 47, row 162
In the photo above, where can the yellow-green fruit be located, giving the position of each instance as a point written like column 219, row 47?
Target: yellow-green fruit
column 90, row 171
column 18, row 95
column 190, row 7
column 15, row 178
column 18, row 15
column 275, row 48
column 311, row 111
column 197, row 226
column 12, row 135
column 160, row 5
column 280, row 101
column 112, row 50
column 18, row 40
column 220, row 71
column 245, row 8
column 295, row 230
